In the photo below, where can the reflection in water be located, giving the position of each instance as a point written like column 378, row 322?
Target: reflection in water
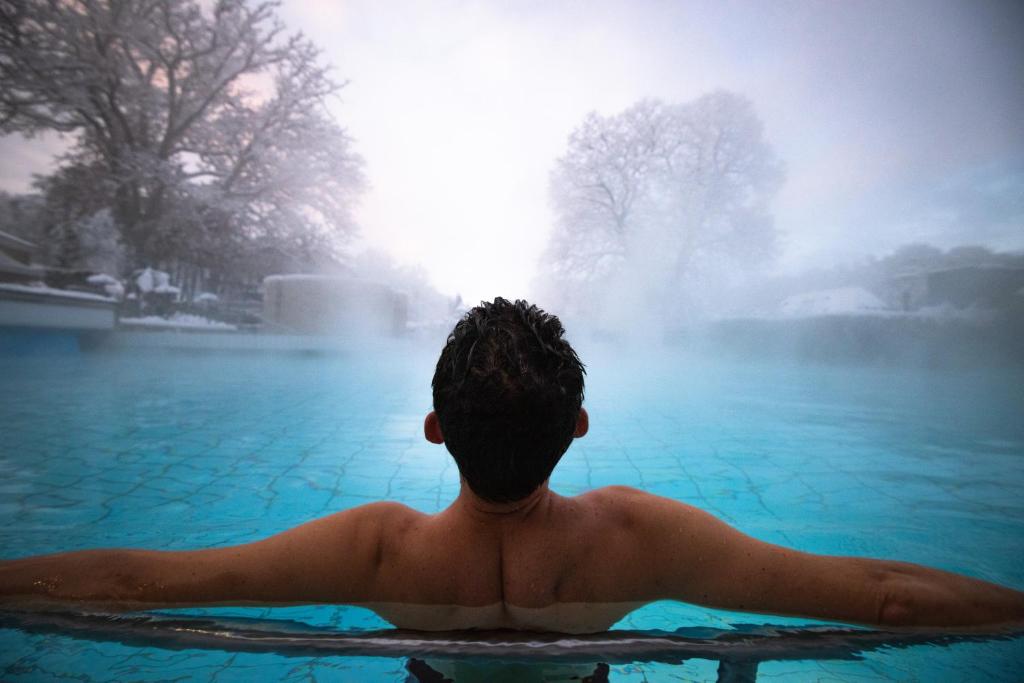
column 471, row 671
column 499, row 655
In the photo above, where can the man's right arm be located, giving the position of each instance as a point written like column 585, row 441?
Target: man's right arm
column 702, row 560
column 329, row 560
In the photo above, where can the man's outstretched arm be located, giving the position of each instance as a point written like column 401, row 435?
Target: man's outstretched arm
column 702, row 560
column 333, row 559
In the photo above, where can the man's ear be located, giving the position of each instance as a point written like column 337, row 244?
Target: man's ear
column 582, row 423
column 432, row 428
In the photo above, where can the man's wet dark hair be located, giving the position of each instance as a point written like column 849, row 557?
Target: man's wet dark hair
column 507, row 392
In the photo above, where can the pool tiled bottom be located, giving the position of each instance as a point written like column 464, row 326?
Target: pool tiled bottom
column 177, row 451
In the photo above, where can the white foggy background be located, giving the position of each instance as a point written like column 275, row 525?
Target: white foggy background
column 895, row 122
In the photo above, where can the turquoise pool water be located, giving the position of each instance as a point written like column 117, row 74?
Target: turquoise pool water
column 176, row 451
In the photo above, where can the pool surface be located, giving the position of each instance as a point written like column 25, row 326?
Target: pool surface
column 177, row 451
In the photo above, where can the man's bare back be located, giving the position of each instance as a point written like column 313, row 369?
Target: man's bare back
column 509, row 552
column 549, row 563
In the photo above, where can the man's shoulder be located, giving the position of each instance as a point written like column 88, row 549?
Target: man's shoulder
column 388, row 509
column 626, row 495
column 634, row 506
column 388, row 514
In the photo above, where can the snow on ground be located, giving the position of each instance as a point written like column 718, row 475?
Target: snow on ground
column 111, row 285
column 178, row 320
column 839, row 301
column 50, row 291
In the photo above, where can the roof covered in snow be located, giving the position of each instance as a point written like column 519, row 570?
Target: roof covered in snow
column 50, row 291
column 9, row 240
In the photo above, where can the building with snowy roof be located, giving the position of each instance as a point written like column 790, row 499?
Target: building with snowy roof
column 16, row 260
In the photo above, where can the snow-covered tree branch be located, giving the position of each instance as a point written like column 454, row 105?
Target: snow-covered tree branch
column 651, row 198
column 200, row 126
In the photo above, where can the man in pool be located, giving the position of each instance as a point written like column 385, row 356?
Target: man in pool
column 509, row 552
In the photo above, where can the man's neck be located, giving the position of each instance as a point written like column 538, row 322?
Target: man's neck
column 475, row 506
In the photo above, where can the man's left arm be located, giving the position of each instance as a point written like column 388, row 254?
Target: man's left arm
column 329, row 560
column 702, row 560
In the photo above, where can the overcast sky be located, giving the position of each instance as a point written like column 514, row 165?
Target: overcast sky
column 897, row 121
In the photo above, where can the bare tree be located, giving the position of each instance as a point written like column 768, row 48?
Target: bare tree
column 658, row 193
column 596, row 186
column 204, row 127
